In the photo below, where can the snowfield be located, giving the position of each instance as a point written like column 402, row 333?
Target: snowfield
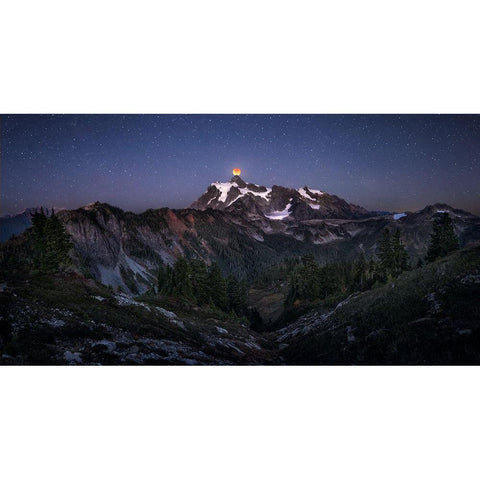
column 306, row 195
column 224, row 189
column 280, row 215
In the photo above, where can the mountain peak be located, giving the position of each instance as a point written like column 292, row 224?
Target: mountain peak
column 238, row 181
column 276, row 203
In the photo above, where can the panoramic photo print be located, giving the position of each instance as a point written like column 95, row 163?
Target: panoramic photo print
column 240, row 240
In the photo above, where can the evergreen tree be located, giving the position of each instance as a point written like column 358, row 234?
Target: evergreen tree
column 39, row 220
column 372, row 270
column 217, row 287
column 200, row 281
column 163, row 278
column 57, row 243
column 443, row 239
column 237, row 293
column 400, row 255
column 309, row 281
column 51, row 243
column 168, row 281
column 182, row 282
column 360, row 277
column 293, row 292
column 386, row 255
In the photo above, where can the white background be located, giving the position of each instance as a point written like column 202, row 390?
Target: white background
column 239, row 57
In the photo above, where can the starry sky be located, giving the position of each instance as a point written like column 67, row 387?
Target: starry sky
column 382, row 162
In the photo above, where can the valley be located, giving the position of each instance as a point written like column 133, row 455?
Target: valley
column 300, row 271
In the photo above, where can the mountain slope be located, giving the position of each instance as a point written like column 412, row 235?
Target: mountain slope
column 428, row 316
column 250, row 229
column 67, row 319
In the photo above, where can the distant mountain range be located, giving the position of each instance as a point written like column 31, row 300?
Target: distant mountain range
column 243, row 226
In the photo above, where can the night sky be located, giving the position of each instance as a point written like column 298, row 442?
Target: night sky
column 382, row 162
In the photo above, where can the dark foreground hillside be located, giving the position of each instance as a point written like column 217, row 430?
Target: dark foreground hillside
column 67, row 319
column 427, row 316
column 430, row 315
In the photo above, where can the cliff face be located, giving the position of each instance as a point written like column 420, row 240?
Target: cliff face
column 123, row 249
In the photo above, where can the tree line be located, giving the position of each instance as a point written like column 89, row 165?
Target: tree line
column 193, row 280
column 311, row 281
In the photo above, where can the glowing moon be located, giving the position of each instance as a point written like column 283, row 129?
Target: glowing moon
column 237, row 171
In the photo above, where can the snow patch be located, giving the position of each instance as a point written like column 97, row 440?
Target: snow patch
column 245, row 191
column 305, row 194
column 264, row 194
column 280, row 215
column 224, row 188
column 398, row 216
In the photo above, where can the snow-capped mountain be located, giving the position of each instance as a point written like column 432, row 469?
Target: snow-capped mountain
column 243, row 226
column 276, row 203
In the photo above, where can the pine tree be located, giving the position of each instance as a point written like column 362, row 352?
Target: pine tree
column 293, row 292
column 443, row 239
column 57, row 244
column 400, row 255
column 217, row 287
column 166, row 288
column 182, row 283
column 39, row 220
column 162, row 278
column 51, row 243
column 386, row 255
column 360, row 272
column 200, row 281
column 237, row 292
column 309, row 276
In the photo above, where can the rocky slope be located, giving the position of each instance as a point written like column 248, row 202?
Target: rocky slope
column 427, row 316
column 67, row 319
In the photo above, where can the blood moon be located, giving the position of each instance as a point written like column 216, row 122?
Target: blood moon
column 237, row 171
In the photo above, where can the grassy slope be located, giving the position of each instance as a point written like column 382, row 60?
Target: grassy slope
column 41, row 318
column 427, row 316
